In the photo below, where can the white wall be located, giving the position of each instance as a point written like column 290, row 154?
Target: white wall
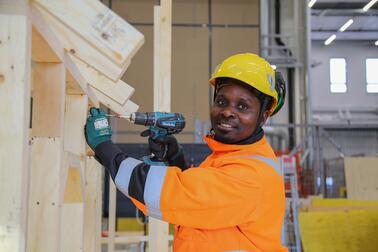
column 356, row 105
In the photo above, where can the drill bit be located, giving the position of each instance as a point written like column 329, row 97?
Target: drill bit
column 126, row 116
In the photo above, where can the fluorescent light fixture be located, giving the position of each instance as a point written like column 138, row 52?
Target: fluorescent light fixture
column 371, row 3
column 346, row 25
column 330, row 39
column 311, row 3
column 376, row 43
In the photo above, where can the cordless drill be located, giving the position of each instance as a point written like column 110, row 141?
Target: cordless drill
column 160, row 124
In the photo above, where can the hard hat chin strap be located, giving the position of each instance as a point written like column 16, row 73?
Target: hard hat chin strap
column 265, row 104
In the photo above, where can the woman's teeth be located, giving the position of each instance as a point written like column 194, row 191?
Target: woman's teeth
column 225, row 125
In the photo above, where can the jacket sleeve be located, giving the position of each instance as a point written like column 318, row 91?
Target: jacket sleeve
column 208, row 198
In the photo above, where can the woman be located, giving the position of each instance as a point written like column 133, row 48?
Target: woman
column 234, row 201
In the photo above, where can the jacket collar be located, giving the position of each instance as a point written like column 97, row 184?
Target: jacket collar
column 216, row 146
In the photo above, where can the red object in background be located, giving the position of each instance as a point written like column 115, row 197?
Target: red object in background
column 304, row 177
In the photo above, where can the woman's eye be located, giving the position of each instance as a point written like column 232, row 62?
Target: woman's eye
column 220, row 102
column 242, row 107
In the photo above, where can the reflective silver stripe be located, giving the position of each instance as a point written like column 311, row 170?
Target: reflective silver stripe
column 122, row 178
column 270, row 161
column 152, row 190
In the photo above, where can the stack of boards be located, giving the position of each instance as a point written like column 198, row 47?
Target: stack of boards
column 93, row 42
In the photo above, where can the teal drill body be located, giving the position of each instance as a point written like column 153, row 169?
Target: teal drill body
column 160, row 124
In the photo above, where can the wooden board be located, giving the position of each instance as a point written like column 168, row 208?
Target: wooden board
column 73, row 43
column 98, row 25
column 44, row 29
column 128, row 107
column 93, row 206
column 157, row 229
column 15, row 39
column 44, row 196
column 118, row 91
column 48, row 99
column 351, row 231
column 41, row 51
column 361, row 177
column 72, row 231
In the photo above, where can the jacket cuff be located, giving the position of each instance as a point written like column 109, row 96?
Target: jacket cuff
column 110, row 156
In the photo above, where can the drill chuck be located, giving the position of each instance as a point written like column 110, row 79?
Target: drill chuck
column 172, row 122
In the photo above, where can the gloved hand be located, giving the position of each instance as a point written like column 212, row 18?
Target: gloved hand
column 166, row 147
column 97, row 129
column 163, row 146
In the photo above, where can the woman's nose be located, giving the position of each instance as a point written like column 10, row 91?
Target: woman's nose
column 228, row 112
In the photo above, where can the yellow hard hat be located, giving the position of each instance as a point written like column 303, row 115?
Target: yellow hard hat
column 252, row 70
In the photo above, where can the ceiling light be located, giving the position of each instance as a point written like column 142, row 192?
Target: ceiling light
column 330, row 39
column 346, row 25
column 371, row 3
column 274, row 67
column 376, row 43
column 311, row 3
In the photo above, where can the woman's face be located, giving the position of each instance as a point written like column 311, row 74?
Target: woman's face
column 235, row 112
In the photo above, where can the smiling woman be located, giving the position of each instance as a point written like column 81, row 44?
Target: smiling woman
column 234, row 200
column 236, row 111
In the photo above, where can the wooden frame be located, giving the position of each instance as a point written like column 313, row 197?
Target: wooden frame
column 59, row 200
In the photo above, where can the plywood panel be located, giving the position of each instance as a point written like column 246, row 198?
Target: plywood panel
column 48, row 99
column 44, row 196
column 340, row 231
column 235, row 12
column 140, row 11
column 15, row 39
column 229, row 41
column 361, row 177
column 190, row 86
column 190, row 12
column 93, row 206
column 72, row 231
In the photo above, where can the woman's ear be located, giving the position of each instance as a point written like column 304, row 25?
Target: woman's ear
column 265, row 117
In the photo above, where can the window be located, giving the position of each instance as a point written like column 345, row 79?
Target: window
column 337, row 67
column 372, row 75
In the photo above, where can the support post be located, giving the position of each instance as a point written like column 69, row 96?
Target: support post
column 158, row 230
column 15, row 40
column 46, row 157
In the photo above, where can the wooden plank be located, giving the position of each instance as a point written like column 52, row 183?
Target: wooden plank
column 75, row 44
column 74, row 146
column 41, row 51
column 14, row 7
column 119, row 91
column 112, row 215
column 93, row 206
column 339, row 231
column 361, row 177
column 72, row 230
column 75, row 117
column 158, row 230
column 73, row 190
column 15, row 39
column 98, row 25
column 48, row 99
column 72, row 87
column 128, row 107
column 45, row 30
column 44, row 194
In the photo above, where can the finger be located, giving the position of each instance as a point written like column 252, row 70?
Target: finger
column 102, row 112
column 145, row 133
column 94, row 111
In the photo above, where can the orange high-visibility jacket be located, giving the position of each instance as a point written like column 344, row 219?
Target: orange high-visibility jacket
column 234, row 201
